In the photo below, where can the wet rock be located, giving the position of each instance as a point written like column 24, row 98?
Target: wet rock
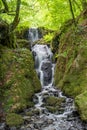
column 34, row 53
column 2, row 114
column 56, row 94
column 49, row 121
column 26, row 119
column 30, row 126
column 35, row 99
column 33, row 112
column 47, row 72
column 13, row 128
column 37, row 126
column 2, row 126
column 45, row 94
column 36, row 112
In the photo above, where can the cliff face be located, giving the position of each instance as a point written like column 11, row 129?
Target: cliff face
column 18, row 79
column 71, row 66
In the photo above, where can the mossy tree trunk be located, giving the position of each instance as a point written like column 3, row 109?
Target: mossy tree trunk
column 15, row 22
column 71, row 10
column 7, row 36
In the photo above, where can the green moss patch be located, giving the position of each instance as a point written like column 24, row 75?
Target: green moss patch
column 13, row 119
column 71, row 67
column 53, row 104
column 81, row 103
column 20, row 81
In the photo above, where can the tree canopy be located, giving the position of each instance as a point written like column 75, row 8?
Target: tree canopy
column 50, row 14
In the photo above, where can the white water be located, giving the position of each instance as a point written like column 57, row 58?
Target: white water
column 33, row 35
column 60, row 121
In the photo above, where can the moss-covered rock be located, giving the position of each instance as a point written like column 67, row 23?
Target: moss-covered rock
column 53, row 104
column 81, row 103
column 71, row 67
column 13, row 119
column 19, row 79
column 33, row 112
column 23, row 43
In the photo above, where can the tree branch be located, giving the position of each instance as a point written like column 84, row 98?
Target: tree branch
column 15, row 22
column 71, row 9
column 6, row 9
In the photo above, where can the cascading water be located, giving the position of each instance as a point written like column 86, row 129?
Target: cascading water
column 33, row 35
column 66, row 118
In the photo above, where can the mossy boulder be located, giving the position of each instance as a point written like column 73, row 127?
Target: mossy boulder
column 53, row 104
column 23, row 43
column 18, row 78
column 33, row 112
column 81, row 103
column 22, row 32
column 13, row 119
column 71, row 67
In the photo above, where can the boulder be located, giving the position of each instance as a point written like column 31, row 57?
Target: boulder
column 47, row 72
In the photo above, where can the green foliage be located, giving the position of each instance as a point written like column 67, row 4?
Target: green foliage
column 71, row 70
column 13, row 119
column 50, row 14
column 64, row 54
column 53, row 104
column 81, row 103
column 48, row 37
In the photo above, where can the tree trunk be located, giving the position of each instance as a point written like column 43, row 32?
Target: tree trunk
column 7, row 36
column 16, row 18
column 71, row 10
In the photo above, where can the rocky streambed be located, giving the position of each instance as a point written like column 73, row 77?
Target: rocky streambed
column 52, row 110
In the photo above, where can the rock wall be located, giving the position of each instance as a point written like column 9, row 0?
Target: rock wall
column 71, row 66
column 18, row 79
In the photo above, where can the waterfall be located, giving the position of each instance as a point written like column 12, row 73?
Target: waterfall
column 33, row 35
column 43, row 63
column 63, row 119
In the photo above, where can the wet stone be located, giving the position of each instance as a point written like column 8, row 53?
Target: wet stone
column 64, row 116
column 2, row 126
column 35, row 99
column 47, row 72
column 49, row 121
column 13, row 128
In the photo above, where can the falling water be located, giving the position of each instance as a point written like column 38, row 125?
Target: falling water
column 33, row 34
column 64, row 120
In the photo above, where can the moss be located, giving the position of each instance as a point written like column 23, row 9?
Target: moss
column 33, row 112
column 81, row 103
column 20, row 80
column 53, row 104
column 71, row 66
column 23, row 43
column 53, row 101
column 22, row 32
column 13, row 119
column 52, row 109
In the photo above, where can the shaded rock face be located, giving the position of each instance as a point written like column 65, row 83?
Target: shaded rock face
column 47, row 72
column 71, row 69
column 2, row 115
column 25, row 35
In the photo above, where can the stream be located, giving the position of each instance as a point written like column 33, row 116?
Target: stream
column 46, row 114
column 65, row 118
